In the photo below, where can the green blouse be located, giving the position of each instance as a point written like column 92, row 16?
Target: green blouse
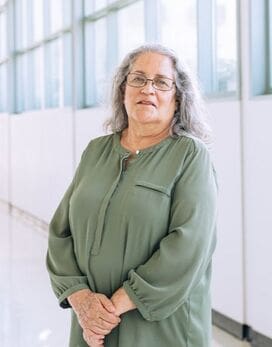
column 147, row 225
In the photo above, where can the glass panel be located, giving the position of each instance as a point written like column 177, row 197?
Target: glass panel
column 270, row 45
column 130, row 28
column 56, row 18
column 88, row 7
column 36, row 78
column 67, row 67
column 37, row 20
column 95, row 62
column 100, row 60
column 3, row 88
column 91, row 6
column 67, row 12
column 3, row 35
column 226, row 45
column 99, row 4
column 21, row 90
column 178, row 24
column 89, row 79
column 21, row 24
column 53, row 74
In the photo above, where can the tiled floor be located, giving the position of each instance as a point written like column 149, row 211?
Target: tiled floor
column 29, row 314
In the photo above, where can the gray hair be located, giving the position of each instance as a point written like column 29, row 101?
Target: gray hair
column 190, row 114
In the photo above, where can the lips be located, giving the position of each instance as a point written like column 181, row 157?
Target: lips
column 146, row 102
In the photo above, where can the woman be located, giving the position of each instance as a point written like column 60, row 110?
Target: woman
column 131, row 243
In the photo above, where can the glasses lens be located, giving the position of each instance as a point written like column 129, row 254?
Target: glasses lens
column 162, row 83
column 136, row 80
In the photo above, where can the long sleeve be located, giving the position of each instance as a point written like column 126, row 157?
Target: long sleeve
column 65, row 275
column 166, row 280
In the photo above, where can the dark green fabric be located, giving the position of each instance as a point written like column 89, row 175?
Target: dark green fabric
column 150, row 227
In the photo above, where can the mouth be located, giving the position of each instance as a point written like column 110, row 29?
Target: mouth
column 146, row 103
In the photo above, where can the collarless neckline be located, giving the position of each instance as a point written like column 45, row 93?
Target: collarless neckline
column 122, row 150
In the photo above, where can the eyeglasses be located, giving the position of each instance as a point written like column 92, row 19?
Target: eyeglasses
column 138, row 81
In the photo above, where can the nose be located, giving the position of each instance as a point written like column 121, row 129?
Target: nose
column 148, row 87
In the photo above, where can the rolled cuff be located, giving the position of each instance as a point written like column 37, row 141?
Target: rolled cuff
column 63, row 301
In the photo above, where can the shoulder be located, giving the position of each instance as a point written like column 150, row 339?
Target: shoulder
column 98, row 145
column 191, row 146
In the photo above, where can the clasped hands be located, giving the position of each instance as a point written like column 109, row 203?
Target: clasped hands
column 97, row 314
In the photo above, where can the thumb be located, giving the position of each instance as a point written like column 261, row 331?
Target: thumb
column 108, row 305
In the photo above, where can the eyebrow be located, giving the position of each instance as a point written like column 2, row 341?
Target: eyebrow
column 157, row 75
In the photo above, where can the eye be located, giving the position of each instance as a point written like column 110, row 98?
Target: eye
column 138, row 79
column 161, row 82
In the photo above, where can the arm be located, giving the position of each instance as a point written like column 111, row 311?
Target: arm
column 65, row 275
column 167, row 279
column 94, row 311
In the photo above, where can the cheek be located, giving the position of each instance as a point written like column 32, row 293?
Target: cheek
column 169, row 103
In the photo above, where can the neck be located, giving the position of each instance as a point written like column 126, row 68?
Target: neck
column 140, row 138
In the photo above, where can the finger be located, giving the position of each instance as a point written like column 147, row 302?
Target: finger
column 107, row 304
column 109, row 317
column 93, row 339
column 99, row 331
column 101, row 323
column 91, row 334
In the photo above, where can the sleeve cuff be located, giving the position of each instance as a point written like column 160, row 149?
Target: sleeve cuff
column 139, row 304
column 63, row 302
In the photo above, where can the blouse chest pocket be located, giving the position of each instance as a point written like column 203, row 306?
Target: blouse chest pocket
column 151, row 187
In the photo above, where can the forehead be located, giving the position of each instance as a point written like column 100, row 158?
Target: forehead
column 152, row 63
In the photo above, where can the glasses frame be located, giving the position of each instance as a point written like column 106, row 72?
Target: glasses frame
column 151, row 80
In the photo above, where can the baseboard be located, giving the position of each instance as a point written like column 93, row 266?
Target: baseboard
column 240, row 331
column 227, row 324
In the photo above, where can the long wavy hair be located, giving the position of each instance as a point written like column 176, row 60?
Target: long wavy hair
column 190, row 114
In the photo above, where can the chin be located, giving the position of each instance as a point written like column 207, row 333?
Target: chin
column 147, row 118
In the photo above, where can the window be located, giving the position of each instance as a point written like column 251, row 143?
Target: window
column 261, row 47
column 43, row 51
column 204, row 34
column 270, row 45
column 130, row 28
column 58, row 45
column 226, row 47
column 3, row 57
column 217, row 47
column 178, row 28
column 3, row 87
column 3, row 35
column 95, row 61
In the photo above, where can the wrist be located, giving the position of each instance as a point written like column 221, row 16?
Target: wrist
column 78, row 295
column 122, row 301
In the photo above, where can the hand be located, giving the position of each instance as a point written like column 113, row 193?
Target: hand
column 96, row 315
column 92, row 339
column 122, row 302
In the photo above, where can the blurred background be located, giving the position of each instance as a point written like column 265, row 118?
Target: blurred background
column 57, row 58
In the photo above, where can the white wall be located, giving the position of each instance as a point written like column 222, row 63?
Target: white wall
column 227, row 286
column 258, row 213
column 41, row 160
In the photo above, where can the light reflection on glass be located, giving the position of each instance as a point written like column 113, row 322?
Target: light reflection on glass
column 37, row 20
column 56, row 18
column 3, row 88
column 130, row 28
column 38, row 73
column 3, row 35
column 226, row 45
column 100, row 60
column 22, row 22
column 178, row 22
